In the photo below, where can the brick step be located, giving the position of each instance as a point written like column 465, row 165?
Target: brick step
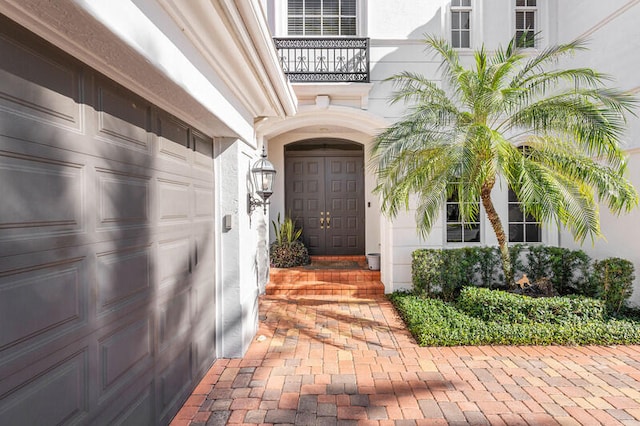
column 288, row 275
column 324, row 288
column 326, row 276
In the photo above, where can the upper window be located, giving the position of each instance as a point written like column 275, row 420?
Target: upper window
column 526, row 11
column 461, row 23
column 523, row 228
column 458, row 230
column 322, row 17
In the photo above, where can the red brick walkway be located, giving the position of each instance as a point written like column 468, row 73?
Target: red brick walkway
column 325, row 361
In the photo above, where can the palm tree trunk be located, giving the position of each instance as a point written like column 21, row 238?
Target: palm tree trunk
column 494, row 219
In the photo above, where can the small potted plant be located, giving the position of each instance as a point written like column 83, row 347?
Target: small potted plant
column 287, row 250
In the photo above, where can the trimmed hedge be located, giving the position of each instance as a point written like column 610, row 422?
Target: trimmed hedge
column 434, row 322
column 501, row 306
column 443, row 273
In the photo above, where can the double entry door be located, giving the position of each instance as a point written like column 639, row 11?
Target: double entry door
column 325, row 196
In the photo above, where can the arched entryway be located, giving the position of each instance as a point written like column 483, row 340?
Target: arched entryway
column 324, row 194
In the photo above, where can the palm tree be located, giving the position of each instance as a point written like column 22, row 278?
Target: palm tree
column 459, row 140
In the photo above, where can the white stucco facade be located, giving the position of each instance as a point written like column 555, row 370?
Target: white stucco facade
column 395, row 30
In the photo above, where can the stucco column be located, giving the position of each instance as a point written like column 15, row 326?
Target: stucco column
column 237, row 259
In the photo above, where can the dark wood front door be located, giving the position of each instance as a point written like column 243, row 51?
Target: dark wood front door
column 325, row 196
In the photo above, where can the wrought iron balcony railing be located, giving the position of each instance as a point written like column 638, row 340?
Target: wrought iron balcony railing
column 314, row 60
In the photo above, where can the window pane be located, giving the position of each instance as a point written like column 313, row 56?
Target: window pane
column 295, row 26
column 312, row 7
column 312, row 26
column 455, row 3
column 515, row 214
column 530, row 20
column 348, row 7
column 330, row 7
column 348, row 26
column 512, row 196
column 455, row 38
column 534, row 234
column 330, row 26
column 454, row 233
column 529, row 40
column 465, row 39
column 295, row 7
column 453, row 213
column 465, row 3
column 464, row 20
column 472, row 233
column 455, row 20
column 531, row 2
column 520, row 2
column 520, row 20
column 516, row 233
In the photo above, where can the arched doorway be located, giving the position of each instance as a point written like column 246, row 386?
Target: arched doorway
column 324, row 194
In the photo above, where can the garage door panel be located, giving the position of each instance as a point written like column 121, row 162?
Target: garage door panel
column 139, row 412
column 40, row 195
column 43, row 299
column 174, row 200
column 203, row 199
column 57, row 395
column 174, row 382
column 123, row 199
column 123, row 277
column 123, row 119
column 174, row 319
column 173, row 262
column 173, row 141
column 124, row 354
column 38, row 87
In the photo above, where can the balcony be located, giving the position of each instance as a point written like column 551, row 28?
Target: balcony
column 324, row 60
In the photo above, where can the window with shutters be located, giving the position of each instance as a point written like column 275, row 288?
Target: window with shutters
column 526, row 11
column 322, row 17
column 461, row 23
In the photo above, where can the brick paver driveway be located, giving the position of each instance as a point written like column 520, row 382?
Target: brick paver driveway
column 323, row 361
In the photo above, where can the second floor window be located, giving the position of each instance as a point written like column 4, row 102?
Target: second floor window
column 461, row 23
column 526, row 22
column 322, row 17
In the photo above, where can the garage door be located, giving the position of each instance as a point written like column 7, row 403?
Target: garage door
column 106, row 246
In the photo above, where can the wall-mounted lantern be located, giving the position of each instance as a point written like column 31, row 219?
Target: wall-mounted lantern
column 262, row 173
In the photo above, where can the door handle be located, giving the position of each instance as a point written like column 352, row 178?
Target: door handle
column 328, row 220
column 322, row 223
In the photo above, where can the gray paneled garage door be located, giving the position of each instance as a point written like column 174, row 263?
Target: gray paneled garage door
column 106, row 246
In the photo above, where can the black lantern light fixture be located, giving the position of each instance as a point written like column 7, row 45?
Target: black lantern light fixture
column 263, row 173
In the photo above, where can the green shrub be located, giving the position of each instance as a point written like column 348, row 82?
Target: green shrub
column 504, row 307
column 288, row 255
column 438, row 323
column 613, row 278
column 568, row 270
column 425, row 270
column 443, row 272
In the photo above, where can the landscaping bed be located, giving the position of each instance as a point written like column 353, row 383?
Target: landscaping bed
column 460, row 298
column 558, row 320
